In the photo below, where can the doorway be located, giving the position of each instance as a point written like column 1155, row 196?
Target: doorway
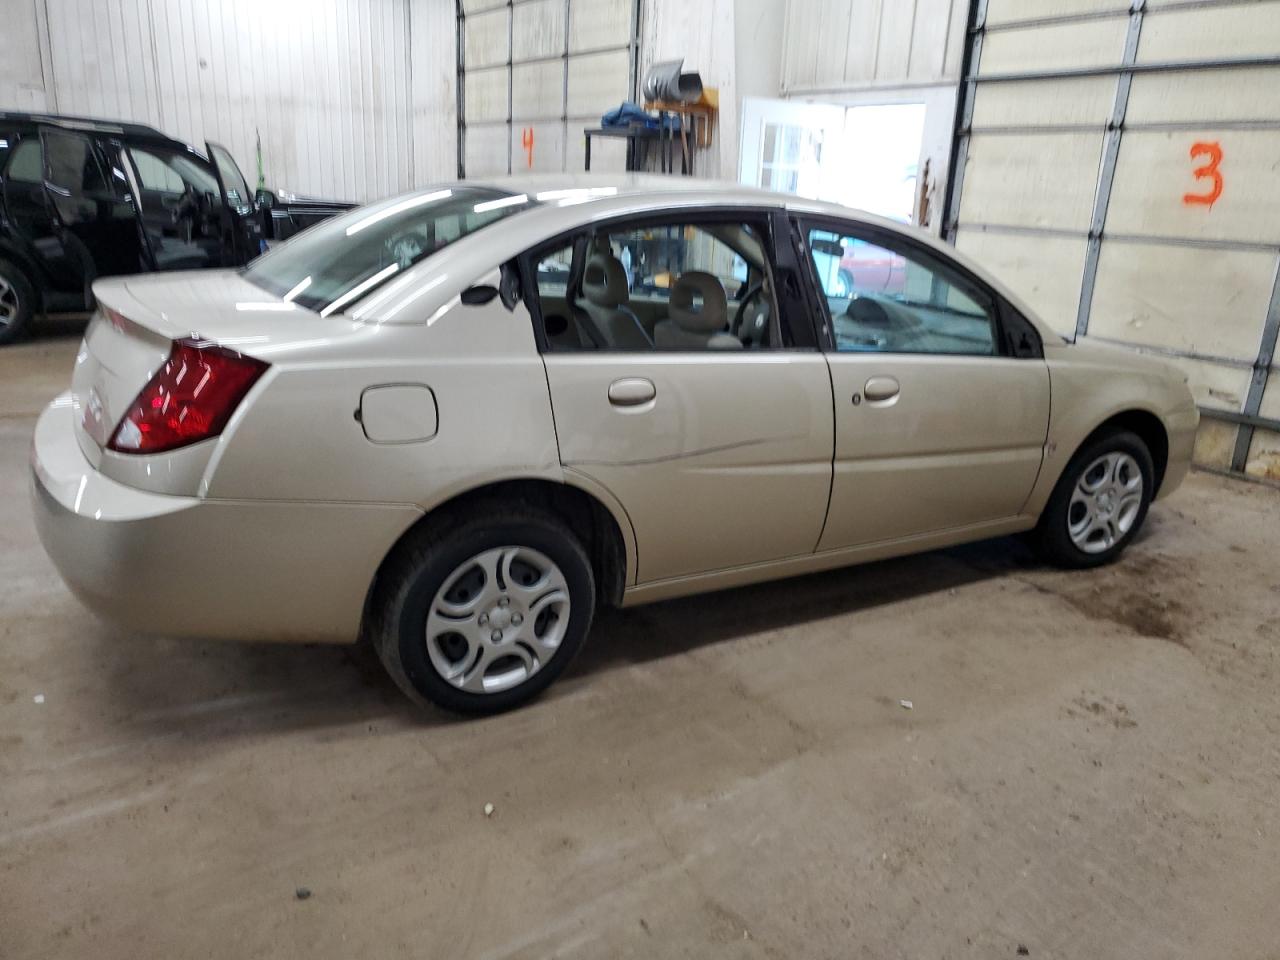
column 864, row 155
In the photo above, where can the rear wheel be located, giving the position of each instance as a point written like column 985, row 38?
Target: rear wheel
column 1100, row 502
column 482, row 614
column 17, row 302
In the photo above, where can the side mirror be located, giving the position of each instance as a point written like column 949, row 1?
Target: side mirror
column 264, row 199
column 478, row 295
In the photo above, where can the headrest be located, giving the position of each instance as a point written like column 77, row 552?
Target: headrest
column 605, row 281
column 698, row 303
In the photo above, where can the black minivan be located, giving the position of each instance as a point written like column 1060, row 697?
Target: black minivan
column 83, row 198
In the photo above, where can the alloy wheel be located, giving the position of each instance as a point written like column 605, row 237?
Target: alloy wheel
column 1105, row 502
column 497, row 619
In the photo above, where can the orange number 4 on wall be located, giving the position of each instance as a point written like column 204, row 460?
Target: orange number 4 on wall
column 1212, row 150
column 526, row 141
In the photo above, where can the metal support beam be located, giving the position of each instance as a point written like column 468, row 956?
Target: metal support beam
column 1059, row 19
column 1261, row 371
column 1107, row 173
column 964, row 117
column 461, row 18
column 511, row 55
column 1159, row 66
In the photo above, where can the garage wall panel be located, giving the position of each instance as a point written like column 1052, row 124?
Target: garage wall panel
column 1086, row 101
column 1044, row 180
column 1179, row 218
column 1203, row 301
column 1155, row 175
column 485, row 38
column 538, row 29
column 604, row 23
column 537, row 92
column 1090, row 43
column 1043, row 271
column 1205, row 33
column 1006, row 11
column 1204, row 96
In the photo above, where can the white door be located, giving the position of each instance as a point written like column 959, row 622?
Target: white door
column 790, row 147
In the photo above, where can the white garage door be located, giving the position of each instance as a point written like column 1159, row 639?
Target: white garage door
column 1116, row 164
column 533, row 73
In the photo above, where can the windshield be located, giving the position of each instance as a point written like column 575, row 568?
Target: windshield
column 338, row 261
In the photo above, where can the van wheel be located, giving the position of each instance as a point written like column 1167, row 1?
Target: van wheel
column 17, row 302
column 481, row 614
column 1100, row 502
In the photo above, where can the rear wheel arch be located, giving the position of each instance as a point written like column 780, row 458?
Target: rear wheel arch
column 594, row 523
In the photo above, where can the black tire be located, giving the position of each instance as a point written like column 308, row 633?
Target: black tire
column 14, row 287
column 1052, row 537
column 417, row 571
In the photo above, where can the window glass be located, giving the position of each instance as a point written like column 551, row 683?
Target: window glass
column 883, row 300
column 238, row 194
column 166, row 172
column 73, row 165
column 340, row 260
column 674, row 286
column 27, row 163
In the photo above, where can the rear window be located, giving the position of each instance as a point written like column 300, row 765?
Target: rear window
column 336, row 262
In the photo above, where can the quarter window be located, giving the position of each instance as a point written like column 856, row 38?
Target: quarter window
column 882, row 299
column 27, row 163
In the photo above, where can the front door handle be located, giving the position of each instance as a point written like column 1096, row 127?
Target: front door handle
column 631, row 391
column 879, row 389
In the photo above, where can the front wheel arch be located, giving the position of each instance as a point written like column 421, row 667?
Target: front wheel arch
column 1150, row 430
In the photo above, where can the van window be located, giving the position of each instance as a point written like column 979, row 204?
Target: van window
column 27, row 163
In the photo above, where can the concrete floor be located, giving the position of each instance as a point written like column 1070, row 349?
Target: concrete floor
column 1091, row 768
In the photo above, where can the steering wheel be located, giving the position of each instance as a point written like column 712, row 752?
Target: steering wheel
column 186, row 203
column 754, row 292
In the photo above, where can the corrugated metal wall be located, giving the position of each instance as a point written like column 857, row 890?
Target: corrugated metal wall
column 535, row 73
column 1116, row 166
column 832, row 45
column 353, row 99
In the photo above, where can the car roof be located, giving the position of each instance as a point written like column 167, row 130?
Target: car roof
column 120, row 128
column 640, row 189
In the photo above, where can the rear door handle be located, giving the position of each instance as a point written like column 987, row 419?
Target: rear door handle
column 879, row 389
column 631, row 391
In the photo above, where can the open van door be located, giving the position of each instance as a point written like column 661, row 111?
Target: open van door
column 241, row 229
column 94, row 223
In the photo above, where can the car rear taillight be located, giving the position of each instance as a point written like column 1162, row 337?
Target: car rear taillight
column 189, row 399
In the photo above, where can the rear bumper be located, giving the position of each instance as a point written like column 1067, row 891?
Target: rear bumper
column 186, row 566
column 1181, row 425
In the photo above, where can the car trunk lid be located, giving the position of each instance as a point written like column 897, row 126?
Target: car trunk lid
column 139, row 318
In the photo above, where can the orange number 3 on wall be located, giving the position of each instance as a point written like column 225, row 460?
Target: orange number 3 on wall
column 1206, row 170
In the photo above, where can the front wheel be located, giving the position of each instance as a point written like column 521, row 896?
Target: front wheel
column 481, row 615
column 1100, row 502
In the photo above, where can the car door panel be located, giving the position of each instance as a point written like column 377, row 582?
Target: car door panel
column 936, row 428
column 727, row 464
column 959, row 444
